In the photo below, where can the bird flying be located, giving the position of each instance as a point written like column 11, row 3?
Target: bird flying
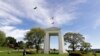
column 35, row 7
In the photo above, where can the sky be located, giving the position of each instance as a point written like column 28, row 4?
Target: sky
column 83, row 16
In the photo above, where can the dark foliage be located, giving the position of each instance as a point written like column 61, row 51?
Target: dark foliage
column 75, row 54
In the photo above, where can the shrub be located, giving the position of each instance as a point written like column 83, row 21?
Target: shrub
column 84, row 52
column 75, row 54
column 30, row 52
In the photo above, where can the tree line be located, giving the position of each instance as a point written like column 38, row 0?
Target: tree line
column 35, row 37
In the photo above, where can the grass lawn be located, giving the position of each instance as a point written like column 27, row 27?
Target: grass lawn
column 98, row 54
column 20, row 54
column 14, row 53
column 5, row 49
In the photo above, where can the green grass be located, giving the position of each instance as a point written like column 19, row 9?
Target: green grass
column 98, row 54
column 20, row 54
column 90, row 54
column 12, row 54
column 15, row 53
column 5, row 49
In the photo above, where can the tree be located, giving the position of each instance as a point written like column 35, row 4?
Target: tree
column 29, row 44
column 86, row 46
column 2, row 37
column 75, row 46
column 10, row 41
column 20, row 44
column 35, row 36
column 73, row 39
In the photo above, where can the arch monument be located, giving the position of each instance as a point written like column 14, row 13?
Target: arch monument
column 53, row 31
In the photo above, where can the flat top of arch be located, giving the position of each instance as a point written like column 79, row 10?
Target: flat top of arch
column 52, row 29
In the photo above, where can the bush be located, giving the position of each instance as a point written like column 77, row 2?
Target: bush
column 75, row 54
column 30, row 52
column 97, row 51
column 84, row 52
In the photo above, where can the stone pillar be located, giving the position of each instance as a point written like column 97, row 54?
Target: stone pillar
column 49, row 43
column 61, row 43
column 46, row 43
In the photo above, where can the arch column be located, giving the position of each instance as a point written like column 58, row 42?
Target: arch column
column 61, row 44
column 46, row 43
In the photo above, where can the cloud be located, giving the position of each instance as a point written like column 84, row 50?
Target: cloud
column 19, row 34
column 96, row 23
column 12, row 12
column 24, row 8
column 8, row 14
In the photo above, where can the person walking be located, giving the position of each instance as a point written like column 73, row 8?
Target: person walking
column 24, row 52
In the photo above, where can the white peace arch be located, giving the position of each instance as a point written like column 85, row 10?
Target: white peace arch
column 53, row 31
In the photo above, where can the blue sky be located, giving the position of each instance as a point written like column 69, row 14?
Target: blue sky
column 18, row 16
